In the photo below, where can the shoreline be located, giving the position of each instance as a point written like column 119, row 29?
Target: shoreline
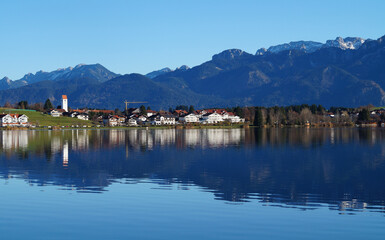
column 187, row 127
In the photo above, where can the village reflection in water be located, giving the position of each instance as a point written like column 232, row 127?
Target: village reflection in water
column 202, row 138
column 297, row 167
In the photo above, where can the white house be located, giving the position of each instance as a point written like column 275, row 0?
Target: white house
column 162, row 120
column 82, row 116
column 142, row 118
column 230, row 117
column 235, row 119
column 23, row 120
column 111, row 121
column 155, row 120
column 7, row 120
column 211, row 118
column 167, row 120
column 121, row 119
column 189, row 118
column 150, row 113
column 13, row 120
column 132, row 122
column 56, row 113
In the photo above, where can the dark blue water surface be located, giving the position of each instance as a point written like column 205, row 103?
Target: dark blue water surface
column 193, row 184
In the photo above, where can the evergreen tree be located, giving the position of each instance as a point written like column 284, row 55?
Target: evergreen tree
column 191, row 109
column 22, row 105
column 143, row 110
column 313, row 109
column 333, row 110
column 268, row 117
column 320, row 109
column 118, row 112
column 364, row 115
column 238, row 111
column 93, row 116
column 258, row 119
column 182, row 107
column 48, row 105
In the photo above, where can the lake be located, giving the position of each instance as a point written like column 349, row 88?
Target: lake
column 291, row 183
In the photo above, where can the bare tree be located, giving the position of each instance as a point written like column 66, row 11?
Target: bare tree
column 306, row 116
column 8, row 105
column 293, row 117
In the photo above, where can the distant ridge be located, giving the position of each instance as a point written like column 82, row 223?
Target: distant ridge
column 343, row 72
column 92, row 71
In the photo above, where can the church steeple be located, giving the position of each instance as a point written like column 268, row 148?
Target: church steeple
column 64, row 102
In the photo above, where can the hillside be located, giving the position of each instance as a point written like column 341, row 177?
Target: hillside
column 343, row 72
column 40, row 119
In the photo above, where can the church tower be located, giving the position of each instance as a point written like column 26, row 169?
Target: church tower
column 64, row 103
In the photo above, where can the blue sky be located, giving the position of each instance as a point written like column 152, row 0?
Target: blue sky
column 141, row 36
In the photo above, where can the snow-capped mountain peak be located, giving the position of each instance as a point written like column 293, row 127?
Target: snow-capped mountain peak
column 6, row 79
column 182, row 68
column 345, row 43
column 156, row 73
column 310, row 46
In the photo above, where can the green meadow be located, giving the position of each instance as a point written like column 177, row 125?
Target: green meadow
column 41, row 119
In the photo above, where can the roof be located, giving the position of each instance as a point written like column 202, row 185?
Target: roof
column 79, row 110
column 179, row 112
column 210, row 113
column 167, row 116
column 102, row 111
column 189, row 114
column 64, row 96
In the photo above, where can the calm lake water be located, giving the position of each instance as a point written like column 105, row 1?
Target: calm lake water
column 193, row 184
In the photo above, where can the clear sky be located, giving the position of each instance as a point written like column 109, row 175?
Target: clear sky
column 141, row 36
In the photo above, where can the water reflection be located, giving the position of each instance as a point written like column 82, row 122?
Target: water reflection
column 302, row 168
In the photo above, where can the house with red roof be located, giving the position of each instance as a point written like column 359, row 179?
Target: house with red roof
column 13, row 120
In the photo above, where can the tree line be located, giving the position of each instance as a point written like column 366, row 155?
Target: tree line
column 303, row 114
column 311, row 115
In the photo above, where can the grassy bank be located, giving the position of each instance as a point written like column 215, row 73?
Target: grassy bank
column 40, row 119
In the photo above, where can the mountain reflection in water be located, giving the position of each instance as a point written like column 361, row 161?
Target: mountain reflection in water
column 303, row 168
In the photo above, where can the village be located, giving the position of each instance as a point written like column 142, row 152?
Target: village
column 131, row 117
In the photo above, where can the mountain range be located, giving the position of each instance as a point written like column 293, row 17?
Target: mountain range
column 342, row 72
